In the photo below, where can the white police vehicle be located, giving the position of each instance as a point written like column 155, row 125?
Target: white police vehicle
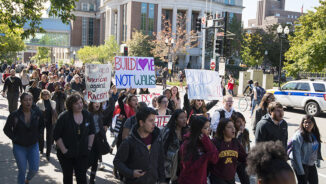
column 307, row 94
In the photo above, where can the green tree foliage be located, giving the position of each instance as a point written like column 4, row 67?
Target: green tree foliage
column 10, row 43
column 42, row 56
column 99, row 54
column 17, row 13
column 140, row 45
column 236, row 28
column 252, row 49
column 308, row 45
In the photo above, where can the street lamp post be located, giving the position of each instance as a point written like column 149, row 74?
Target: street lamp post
column 282, row 33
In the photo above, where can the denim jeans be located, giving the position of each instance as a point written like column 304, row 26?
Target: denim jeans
column 24, row 155
column 254, row 103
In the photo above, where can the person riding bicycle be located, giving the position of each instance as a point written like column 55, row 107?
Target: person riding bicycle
column 250, row 87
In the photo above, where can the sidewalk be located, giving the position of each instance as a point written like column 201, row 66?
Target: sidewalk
column 49, row 172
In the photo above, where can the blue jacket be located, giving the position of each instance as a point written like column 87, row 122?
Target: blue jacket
column 301, row 153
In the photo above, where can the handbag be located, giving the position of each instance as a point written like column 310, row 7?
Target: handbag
column 102, row 144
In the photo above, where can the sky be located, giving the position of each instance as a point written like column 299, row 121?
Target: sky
column 249, row 12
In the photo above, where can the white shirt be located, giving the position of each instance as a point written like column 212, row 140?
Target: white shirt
column 216, row 117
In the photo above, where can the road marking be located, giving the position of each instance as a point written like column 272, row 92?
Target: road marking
column 322, row 175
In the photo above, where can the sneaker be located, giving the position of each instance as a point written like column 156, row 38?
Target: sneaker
column 101, row 166
column 48, row 157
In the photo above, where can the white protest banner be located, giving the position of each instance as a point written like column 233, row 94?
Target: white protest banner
column 147, row 98
column 134, row 72
column 98, row 81
column 204, row 84
column 162, row 121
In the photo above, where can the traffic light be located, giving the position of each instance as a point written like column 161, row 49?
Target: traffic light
column 198, row 24
column 227, row 48
column 218, row 47
column 125, row 51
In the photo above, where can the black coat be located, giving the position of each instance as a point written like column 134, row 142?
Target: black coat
column 65, row 129
column 267, row 130
column 188, row 108
column 17, row 130
column 133, row 154
column 59, row 98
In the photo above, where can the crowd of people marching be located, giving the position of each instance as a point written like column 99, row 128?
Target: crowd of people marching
column 193, row 148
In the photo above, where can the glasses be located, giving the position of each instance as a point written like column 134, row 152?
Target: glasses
column 229, row 101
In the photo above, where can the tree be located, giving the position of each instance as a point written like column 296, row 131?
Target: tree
column 182, row 40
column 236, row 28
column 99, row 54
column 140, row 45
column 17, row 13
column 308, row 44
column 10, row 43
column 42, row 55
column 252, row 49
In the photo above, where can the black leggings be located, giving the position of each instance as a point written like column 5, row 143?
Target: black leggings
column 310, row 175
column 49, row 139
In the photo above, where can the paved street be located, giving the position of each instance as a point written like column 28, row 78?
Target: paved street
column 50, row 172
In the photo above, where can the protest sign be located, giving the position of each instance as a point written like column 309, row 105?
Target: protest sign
column 204, row 85
column 162, row 121
column 98, row 80
column 147, row 98
column 134, row 72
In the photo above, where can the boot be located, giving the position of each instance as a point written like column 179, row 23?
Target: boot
column 92, row 179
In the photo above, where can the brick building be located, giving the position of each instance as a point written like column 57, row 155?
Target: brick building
column 270, row 12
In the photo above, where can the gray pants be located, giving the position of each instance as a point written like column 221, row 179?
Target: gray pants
column 12, row 101
column 164, row 83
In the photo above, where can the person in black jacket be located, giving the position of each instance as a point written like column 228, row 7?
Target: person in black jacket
column 272, row 127
column 23, row 128
column 35, row 90
column 262, row 110
column 197, row 106
column 74, row 136
column 140, row 157
column 13, row 86
column 59, row 97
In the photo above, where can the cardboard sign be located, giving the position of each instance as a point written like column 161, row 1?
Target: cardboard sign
column 204, row 85
column 134, row 72
column 147, row 98
column 98, row 80
column 162, row 121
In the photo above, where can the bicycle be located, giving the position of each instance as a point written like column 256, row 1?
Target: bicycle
column 244, row 102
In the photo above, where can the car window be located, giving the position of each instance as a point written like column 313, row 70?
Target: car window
column 289, row 86
column 319, row 87
column 303, row 86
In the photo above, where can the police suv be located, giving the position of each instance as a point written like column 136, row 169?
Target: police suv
column 307, row 94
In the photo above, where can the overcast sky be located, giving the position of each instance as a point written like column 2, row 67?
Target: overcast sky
column 249, row 12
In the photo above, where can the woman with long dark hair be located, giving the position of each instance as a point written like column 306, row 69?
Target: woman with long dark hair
column 197, row 152
column 23, row 128
column 175, row 97
column 172, row 137
column 95, row 108
column 262, row 110
column 306, row 151
column 242, row 134
column 163, row 106
column 168, row 94
column 231, row 152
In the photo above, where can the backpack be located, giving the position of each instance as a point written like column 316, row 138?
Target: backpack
column 260, row 92
column 222, row 113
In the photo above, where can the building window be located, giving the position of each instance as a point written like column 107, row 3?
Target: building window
column 90, row 31
column 277, row 15
column 150, row 19
column 296, row 17
column 84, row 31
column 91, row 7
column 231, row 15
column 289, row 16
column 143, row 16
column 232, row 2
column 84, row 6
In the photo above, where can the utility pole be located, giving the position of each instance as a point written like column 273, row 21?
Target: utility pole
column 203, row 52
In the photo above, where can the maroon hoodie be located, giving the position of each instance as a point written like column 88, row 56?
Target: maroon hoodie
column 230, row 153
column 196, row 171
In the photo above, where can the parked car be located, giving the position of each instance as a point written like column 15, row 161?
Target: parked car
column 309, row 95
